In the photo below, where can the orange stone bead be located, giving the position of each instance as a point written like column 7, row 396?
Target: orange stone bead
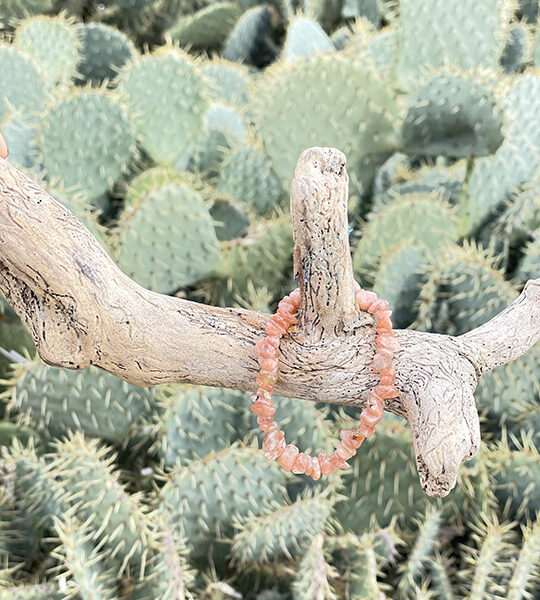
column 274, row 329
column 283, row 320
column 315, row 468
column 343, row 452
column 295, row 298
column 325, row 465
column 370, row 419
column 300, row 464
column 386, row 391
column 387, row 376
column 365, row 299
column 364, row 430
column 287, row 305
column 263, row 408
column 261, row 395
column 268, row 364
column 286, row 460
column 388, row 341
column 266, row 349
column 266, row 423
column 338, row 462
column 374, row 403
column 384, row 323
column 350, row 438
column 273, row 444
column 378, row 306
column 381, row 362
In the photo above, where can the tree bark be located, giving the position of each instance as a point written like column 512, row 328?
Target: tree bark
column 82, row 310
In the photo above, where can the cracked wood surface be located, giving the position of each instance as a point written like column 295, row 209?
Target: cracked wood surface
column 82, row 310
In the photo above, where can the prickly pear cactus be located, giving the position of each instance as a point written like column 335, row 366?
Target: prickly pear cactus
column 171, row 129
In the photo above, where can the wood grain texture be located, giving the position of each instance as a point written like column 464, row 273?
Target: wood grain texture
column 82, row 310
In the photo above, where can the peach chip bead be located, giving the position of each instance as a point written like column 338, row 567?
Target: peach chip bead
column 273, row 444
column 326, row 466
column 365, row 299
column 286, row 460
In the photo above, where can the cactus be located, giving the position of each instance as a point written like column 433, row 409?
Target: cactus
column 104, row 51
column 57, row 401
column 526, row 573
column 422, row 219
column 177, row 89
column 471, row 35
column 206, row 496
column 184, row 432
column 491, row 178
column 228, row 82
column 368, row 128
column 248, row 40
column 305, row 38
column 188, row 244
column 24, row 86
column 53, row 43
column 314, row 572
column 247, row 176
column 283, row 532
column 453, row 115
column 102, row 158
column 208, row 28
column 464, row 290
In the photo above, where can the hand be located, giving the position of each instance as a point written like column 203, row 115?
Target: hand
column 3, row 148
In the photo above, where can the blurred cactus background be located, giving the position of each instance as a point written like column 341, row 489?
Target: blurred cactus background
column 171, row 128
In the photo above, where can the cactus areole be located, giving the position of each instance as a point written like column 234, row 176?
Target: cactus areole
column 81, row 310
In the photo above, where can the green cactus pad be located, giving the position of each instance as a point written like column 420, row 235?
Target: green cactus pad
column 99, row 127
column 285, row 531
column 464, row 289
column 53, row 43
column 227, row 82
column 83, row 573
column 20, row 138
column 208, row 28
column 487, row 559
column 472, row 34
column 305, row 38
column 195, row 421
column 369, row 9
column 515, row 161
column 206, row 496
column 229, row 220
column 261, row 258
column 312, row 579
column 453, row 114
column 248, row 177
column 18, row 9
column 85, row 469
column 168, row 240
column 420, row 219
column 24, row 86
column 518, row 48
column 60, row 400
column 515, row 474
column 169, row 119
column 385, row 487
column 247, row 39
column 529, row 266
column 39, row 591
column 423, row 548
column 381, row 50
column 104, row 51
column 302, row 105
column 398, row 281
column 526, row 575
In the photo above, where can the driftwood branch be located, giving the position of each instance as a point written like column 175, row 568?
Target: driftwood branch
column 82, row 310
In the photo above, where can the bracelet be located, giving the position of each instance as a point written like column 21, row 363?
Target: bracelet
column 267, row 351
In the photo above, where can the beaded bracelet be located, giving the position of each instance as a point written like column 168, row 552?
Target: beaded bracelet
column 267, row 350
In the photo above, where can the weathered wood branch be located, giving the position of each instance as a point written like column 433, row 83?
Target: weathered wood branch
column 82, row 310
